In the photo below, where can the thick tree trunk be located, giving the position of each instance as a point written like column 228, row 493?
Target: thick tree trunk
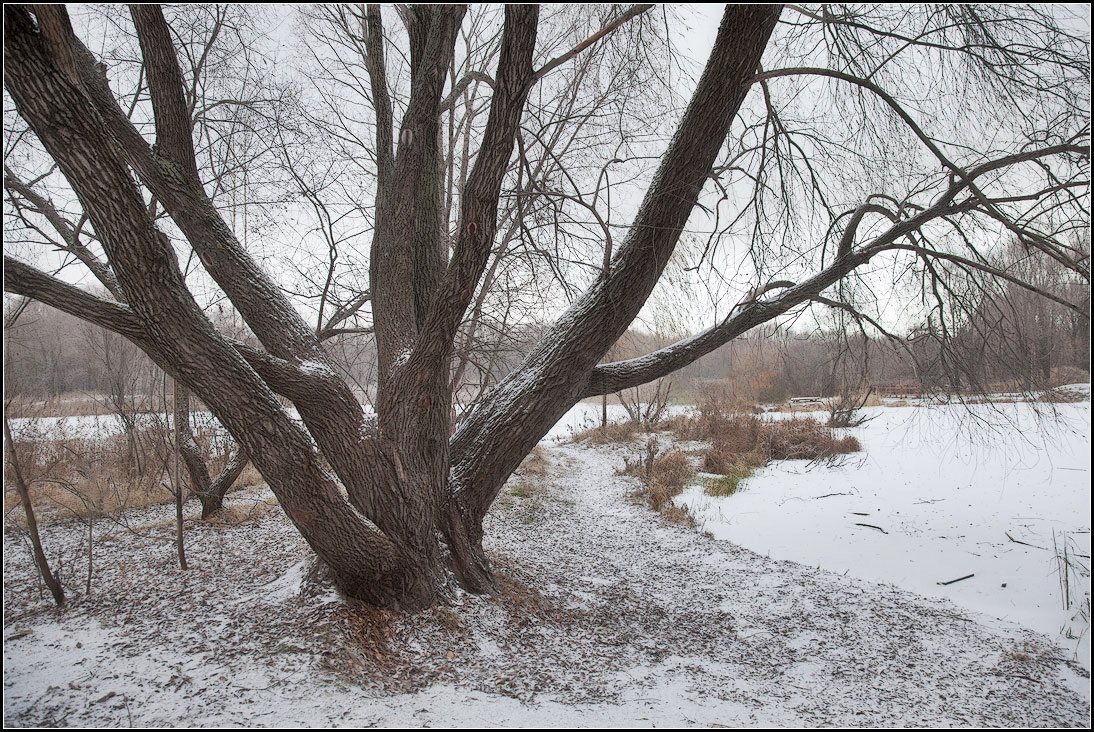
column 400, row 483
column 493, row 440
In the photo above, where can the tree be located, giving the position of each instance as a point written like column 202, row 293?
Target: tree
column 392, row 503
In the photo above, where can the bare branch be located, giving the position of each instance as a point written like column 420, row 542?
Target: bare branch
column 607, row 30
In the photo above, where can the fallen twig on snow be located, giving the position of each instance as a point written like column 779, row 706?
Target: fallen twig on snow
column 959, row 579
column 1023, row 543
column 871, row 526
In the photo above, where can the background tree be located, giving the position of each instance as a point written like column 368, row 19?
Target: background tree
column 840, row 168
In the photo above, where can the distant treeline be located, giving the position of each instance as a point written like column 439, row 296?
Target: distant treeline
column 1020, row 345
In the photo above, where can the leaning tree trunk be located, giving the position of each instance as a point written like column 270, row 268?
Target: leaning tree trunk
column 40, row 560
column 504, row 428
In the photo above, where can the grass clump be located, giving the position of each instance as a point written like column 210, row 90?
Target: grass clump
column 739, row 443
column 526, row 489
column 749, row 439
column 729, row 483
column 535, row 463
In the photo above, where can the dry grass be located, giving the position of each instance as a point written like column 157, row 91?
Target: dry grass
column 527, row 498
column 93, row 477
column 740, row 443
column 529, row 492
column 795, row 438
column 102, row 476
column 611, row 433
column 73, row 404
column 249, row 478
column 723, row 459
column 536, row 463
column 803, row 439
column 678, row 515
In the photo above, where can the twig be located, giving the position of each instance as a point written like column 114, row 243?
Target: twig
column 871, row 526
column 1023, row 676
column 1024, row 543
column 959, row 579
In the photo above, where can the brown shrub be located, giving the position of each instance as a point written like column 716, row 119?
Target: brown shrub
column 103, row 475
column 803, row 438
column 663, row 475
column 747, row 440
column 722, row 459
column 679, row 515
column 685, row 427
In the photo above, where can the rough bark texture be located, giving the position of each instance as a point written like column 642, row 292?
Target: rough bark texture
column 492, row 441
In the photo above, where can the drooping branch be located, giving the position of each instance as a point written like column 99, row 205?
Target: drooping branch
column 22, row 279
column 611, row 377
column 848, row 238
column 966, row 177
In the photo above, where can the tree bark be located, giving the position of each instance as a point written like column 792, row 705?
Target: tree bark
column 371, row 497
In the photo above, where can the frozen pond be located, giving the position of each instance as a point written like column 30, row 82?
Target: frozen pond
column 939, row 493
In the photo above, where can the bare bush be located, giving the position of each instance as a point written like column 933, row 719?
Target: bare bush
column 663, row 476
column 846, row 409
column 647, row 404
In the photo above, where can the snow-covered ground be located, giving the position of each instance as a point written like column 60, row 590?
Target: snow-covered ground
column 608, row 616
column 952, row 491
